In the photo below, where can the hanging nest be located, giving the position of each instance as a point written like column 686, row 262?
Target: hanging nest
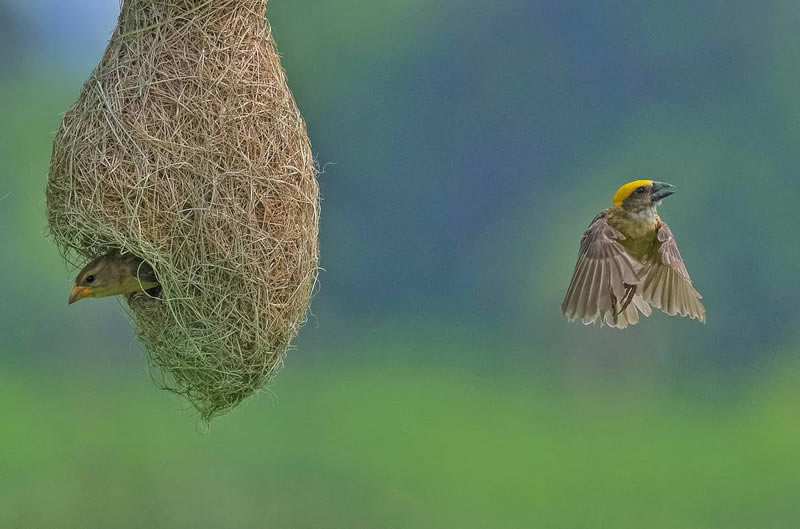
column 185, row 148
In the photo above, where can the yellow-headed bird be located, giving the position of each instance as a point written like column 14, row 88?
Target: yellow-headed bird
column 113, row 274
column 628, row 260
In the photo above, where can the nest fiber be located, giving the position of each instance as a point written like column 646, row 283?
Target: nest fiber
column 185, row 148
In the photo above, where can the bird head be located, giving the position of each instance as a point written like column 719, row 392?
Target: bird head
column 109, row 275
column 641, row 195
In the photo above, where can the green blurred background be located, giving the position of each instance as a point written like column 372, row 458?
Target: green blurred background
column 466, row 145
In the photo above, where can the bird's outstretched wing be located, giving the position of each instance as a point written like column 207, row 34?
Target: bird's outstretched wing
column 604, row 284
column 666, row 284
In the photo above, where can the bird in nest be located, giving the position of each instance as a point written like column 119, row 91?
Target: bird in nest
column 629, row 261
column 114, row 274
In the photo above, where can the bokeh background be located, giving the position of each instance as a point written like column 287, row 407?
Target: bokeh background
column 465, row 145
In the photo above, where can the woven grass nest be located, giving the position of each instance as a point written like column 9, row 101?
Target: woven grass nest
column 185, row 148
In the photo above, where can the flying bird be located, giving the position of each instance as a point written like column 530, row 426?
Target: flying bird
column 629, row 261
column 113, row 274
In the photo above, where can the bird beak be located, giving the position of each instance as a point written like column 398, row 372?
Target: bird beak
column 661, row 190
column 79, row 293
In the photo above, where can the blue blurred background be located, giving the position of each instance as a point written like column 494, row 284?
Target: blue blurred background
column 465, row 146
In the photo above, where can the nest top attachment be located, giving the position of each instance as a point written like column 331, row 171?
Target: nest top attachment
column 186, row 149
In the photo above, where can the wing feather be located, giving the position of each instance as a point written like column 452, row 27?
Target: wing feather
column 585, row 290
column 642, row 305
column 592, row 307
column 603, row 276
column 666, row 284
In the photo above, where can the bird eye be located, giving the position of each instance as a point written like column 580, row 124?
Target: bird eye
column 90, row 278
column 641, row 189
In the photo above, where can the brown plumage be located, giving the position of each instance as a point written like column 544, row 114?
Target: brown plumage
column 113, row 274
column 629, row 261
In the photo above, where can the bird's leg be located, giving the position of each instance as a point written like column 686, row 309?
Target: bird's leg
column 630, row 291
column 614, row 306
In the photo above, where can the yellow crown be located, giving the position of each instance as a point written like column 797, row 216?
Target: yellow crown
column 626, row 190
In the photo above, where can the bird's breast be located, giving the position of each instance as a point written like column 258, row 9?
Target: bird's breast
column 640, row 233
